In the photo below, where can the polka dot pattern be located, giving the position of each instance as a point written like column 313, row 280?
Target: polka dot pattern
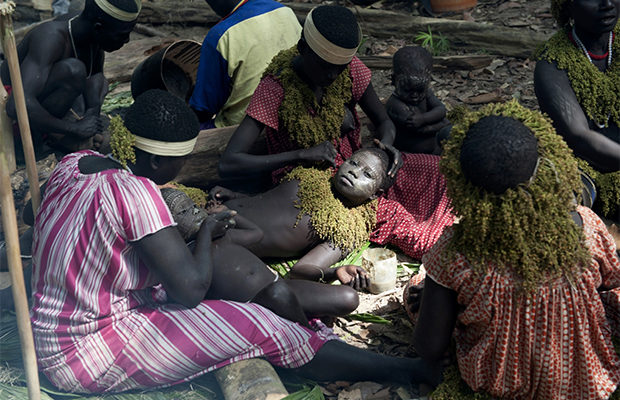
column 555, row 344
column 266, row 102
column 416, row 209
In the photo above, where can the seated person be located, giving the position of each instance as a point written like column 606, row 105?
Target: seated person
column 306, row 102
column 118, row 298
column 524, row 276
column 235, row 54
column 61, row 64
column 317, row 216
column 239, row 275
column 576, row 82
column 413, row 107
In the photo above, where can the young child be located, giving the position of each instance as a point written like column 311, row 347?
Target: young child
column 239, row 275
column 317, row 217
column 521, row 278
column 414, row 109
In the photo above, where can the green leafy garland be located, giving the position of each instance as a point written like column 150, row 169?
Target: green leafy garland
column 598, row 92
column 307, row 130
column 526, row 231
column 121, row 141
column 347, row 228
column 607, row 188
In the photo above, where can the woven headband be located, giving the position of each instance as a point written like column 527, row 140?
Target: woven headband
column 159, row 148
column 325, row 49
column 117, row 13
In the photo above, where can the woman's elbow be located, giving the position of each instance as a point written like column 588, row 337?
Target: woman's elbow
column 190, row 293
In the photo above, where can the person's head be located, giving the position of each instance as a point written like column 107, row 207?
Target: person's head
column 499, row 153
column 591, row 16
column 113, row 21
column 363, row 176
column 185, row 212
column 222, row 7
column 330, row 38
column 161, row 129
column 411, row 73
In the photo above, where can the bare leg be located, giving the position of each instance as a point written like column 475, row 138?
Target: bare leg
column 319, row 299
column 340, row 361
column 66, row 82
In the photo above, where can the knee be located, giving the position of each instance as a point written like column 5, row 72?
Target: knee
column 277, row 292
column 348, row 301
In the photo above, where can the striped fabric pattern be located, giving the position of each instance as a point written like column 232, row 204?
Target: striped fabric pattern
column 99, row 316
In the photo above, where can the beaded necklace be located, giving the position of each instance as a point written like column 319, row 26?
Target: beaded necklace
column 598, row 92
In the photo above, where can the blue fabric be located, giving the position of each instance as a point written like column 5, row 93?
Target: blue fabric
column 213, row 84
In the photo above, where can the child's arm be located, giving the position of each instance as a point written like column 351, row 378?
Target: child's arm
column 398, row 111
column 245, row 233
column 222, row 194
column 436, row 110
column 316, row 266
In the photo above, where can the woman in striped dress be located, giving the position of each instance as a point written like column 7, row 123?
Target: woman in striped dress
column 118, row 297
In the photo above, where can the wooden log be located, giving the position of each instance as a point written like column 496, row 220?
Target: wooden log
column 200, row 169
column 472, row 36
column 253, row 379
column 10, row 49
column 465, row 62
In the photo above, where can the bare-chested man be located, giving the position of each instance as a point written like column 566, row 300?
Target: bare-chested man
column 61, row 63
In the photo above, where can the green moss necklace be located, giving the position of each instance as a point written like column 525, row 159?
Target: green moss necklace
column 304, row 128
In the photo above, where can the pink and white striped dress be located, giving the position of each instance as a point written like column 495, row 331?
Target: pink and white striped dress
column 100, row 319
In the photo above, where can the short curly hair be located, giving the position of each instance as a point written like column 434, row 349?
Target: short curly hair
column 560, row 11
column 498, row 153
column 412, row 60
column 159, row 115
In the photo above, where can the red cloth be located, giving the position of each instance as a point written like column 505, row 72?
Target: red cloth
column 415, row 211
column 266, row 102
column 555, row 344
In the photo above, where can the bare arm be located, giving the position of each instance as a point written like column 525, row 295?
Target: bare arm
column 438, row 312
column 386, row 131
column 185, row 276
column 557, row 98
column 245, row 233
column 237, row 161
column 398, row 111
column 436, row 110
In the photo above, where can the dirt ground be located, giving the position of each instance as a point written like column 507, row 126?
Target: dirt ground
column 505, row 78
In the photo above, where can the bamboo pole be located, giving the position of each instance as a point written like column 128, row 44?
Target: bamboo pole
column 9, row 216
column 9, row 224
column 10, row 52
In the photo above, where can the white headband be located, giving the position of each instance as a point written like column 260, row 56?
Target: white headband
column 325, row 49
column 117, row 13
column 159, row 148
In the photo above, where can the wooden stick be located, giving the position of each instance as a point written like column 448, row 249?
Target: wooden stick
column 10, row 51
column 9, row 224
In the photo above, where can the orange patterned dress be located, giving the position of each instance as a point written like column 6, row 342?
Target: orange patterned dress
column 555, row 344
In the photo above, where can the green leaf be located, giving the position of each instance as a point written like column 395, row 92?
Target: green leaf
column 308, row 393
column 367, row 317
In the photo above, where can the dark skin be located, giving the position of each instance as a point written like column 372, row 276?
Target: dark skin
column 358, row 180
column 317, row 74
column 417, row 114
column 56, row 81
column 593, row 20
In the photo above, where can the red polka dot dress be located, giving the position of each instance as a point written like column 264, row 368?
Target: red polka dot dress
column 556, row 344
column 415, row 210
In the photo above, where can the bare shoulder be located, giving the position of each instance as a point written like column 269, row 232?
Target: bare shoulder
column 50, row 37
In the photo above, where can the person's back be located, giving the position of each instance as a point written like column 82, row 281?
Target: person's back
column 522, row 274
column 234, row 55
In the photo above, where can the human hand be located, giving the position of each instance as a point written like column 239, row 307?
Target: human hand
column 414, row 297
column 415, row 121
column 221, row 193
column 88, row 126
column 354, row 276
column 321, row 152
column 217, row 224
column 397, row 162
